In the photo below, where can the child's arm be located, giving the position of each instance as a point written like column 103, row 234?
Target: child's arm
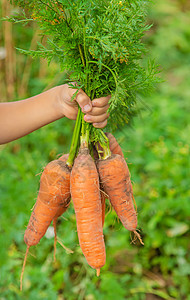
column 19, row 118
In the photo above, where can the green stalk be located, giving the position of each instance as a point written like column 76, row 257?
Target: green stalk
column 104, row 143
column 85, row 134
column 75, row 139
column 79, row 121
column 81, row 55
column 84, row 127
column 106, row 153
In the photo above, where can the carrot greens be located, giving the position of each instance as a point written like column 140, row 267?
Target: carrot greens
column 100, row 45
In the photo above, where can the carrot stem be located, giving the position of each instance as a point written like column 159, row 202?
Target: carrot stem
column 106, row 148
column 103, row 146
column 75, row 139
column 85, row 137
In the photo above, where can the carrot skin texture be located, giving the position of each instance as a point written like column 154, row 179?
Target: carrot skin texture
column 53, row 198
column 87, row 204
column 114, row 176
column 116, row 149
column 65, row 204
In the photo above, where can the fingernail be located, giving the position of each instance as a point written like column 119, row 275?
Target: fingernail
column 86, row 108
column 87, row 118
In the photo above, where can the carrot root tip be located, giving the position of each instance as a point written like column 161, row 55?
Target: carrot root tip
column 98, row 272
column 23, row 267
column 137, row 235
column 64, row 247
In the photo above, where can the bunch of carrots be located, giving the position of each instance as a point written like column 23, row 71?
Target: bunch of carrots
column 95, row 174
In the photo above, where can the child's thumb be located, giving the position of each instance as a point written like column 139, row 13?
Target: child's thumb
column 84, row 101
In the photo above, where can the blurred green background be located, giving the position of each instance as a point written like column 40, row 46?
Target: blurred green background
column 156, row 146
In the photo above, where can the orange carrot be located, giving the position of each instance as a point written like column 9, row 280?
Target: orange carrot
column 87, row 204
column 62, row 207
column 102, row 193
column 116, row 149
column 54, row 193
column 114, row 176
column 53, row 199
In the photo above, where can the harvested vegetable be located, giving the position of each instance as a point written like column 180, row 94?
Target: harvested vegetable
column 53, row 199
column 87, row 204
column 114, row 176
column 54, row 194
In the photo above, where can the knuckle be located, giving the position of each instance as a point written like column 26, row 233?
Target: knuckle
column 81, row 98
column 101, row 102
column 105, row 109
column 98, row 102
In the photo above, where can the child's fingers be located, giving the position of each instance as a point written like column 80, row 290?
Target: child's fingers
column 100, row 125
column 96, row 119
column 84, row 101
column 101, row 102
column 96, row 111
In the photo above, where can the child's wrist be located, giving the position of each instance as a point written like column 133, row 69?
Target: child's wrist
column 58, row 101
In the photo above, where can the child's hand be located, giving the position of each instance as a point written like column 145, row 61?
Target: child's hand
column 95, row 111
column 19, row 118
